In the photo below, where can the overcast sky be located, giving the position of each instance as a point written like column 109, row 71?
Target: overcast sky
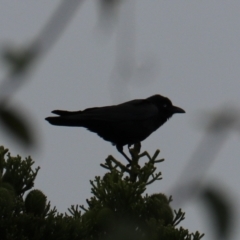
column 188, row 51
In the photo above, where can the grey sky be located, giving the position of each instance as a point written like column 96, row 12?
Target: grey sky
column 188, row 51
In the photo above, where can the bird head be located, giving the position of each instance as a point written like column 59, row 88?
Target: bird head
column 165, row 106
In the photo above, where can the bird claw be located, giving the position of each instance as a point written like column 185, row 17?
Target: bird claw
column 127, row 158
column 120, row 149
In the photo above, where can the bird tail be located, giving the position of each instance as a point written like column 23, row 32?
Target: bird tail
column 64, row 113
column 65, row 118
column 59, row 121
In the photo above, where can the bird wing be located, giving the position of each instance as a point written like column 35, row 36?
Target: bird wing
column 132, row 110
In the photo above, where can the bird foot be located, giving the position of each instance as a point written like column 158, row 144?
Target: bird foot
column 120, row 149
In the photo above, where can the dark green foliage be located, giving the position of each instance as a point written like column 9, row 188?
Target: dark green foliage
column 119, row 209
column 30, row 217
column 17, row 172
column 35, row 202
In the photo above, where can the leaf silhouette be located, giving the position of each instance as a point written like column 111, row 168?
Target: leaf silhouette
column 14, row 123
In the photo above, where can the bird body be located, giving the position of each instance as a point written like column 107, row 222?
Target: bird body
column 124, row 124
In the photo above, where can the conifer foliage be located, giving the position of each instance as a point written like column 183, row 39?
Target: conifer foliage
column 118, row 209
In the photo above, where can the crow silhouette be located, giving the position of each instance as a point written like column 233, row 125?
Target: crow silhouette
column 124, row 124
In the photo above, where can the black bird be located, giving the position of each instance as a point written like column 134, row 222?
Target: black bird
column 124, row 124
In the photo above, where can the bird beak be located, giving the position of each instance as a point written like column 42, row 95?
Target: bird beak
column 175, row 109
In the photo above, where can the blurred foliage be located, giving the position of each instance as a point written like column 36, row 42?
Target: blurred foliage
column 15, row 124
column 219, row 208
column 118, row 208
column 19, row 60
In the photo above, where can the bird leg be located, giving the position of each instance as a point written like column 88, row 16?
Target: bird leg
column 133, row 163
column 120, row 149
column 136, row 147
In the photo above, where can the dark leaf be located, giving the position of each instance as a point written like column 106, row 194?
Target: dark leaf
column 19, row 60
column 14, row 123
column 219, row 207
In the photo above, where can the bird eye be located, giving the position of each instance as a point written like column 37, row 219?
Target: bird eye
column 164, row 105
